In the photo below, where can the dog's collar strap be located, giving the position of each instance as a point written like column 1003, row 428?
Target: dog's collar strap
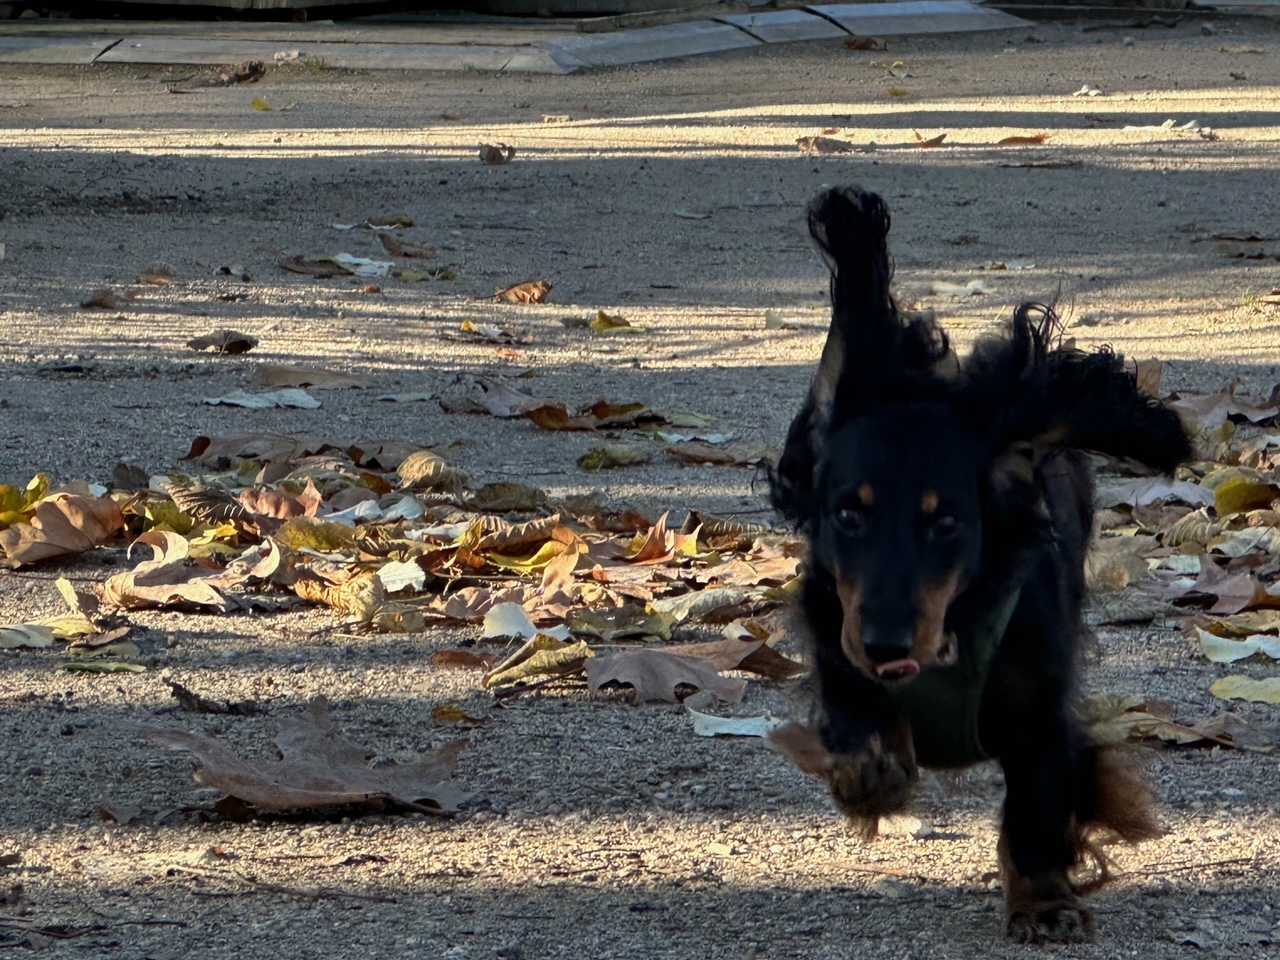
column 943, row 703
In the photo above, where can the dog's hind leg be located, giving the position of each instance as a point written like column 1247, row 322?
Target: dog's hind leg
column 1038, row 838
column 1037, row 849
column 1049, row 769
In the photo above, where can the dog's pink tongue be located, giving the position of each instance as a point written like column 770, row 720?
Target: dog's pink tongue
column 898, row 669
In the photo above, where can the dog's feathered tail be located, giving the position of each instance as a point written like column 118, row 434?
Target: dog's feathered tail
column 1028, row 390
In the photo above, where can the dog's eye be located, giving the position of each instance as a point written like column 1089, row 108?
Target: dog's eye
column 851, row 520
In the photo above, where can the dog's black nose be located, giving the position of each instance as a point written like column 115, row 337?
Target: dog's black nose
column 884, row 645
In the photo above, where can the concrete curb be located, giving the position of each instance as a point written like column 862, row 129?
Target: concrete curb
column 555, row 53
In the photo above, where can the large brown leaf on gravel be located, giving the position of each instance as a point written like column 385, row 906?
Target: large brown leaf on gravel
column 61, row 525
column 269, row 447
column 742, row 651
column 655, row 674
column 318, row 766
column 168, row 579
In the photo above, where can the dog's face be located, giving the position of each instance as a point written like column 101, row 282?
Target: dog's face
column 898, row 527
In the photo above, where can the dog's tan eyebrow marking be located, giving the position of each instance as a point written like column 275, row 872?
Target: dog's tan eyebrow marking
column 867, row 494
column 929, row 501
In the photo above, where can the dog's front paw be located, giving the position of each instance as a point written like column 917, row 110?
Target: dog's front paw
column 868, row 784
column 1050, row 921
column 874, row 782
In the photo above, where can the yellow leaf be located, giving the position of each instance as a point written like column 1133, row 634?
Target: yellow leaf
column 604, row 323
column 323, row 535
column 1238, row 494
column 545, row 554
column 37, row 489
column 1246, row 688
column 454, row 713
column 68, row 626
column 360, row 597
column 166, row 515
column 11, row 503
column 614, row 455
column 219, row 541
column 260, row 104
column 540, row 655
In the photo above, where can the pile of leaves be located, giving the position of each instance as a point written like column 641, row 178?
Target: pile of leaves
column 1204, row 545
column 393, row 538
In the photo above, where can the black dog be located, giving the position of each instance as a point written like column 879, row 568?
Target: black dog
column 948, row 508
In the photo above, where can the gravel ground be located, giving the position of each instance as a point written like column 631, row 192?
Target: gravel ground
column 674, row 197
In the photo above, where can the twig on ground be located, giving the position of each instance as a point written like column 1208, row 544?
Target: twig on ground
column 266, row 886
column 1198, row 865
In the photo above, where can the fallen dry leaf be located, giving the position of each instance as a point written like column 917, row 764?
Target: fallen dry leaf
column 403, row 248
column 463, row 660
column 606, row 323
column 507, row 496
column 61, row 525
column 628, row 622
column 706, row 725
column 531, row 291
column 193, row 702
column 656, row 675
column 1032, row 140
column 612, row 455
column 931, row 142
column 224, row 341
column 168, row 579
column 541, row 655
column 1247, row 688
column 1115, row 719
column 1225, row 650
column 30, row 636
column 427, row 470
column 695, row 451
column 742, row 650
column 494, row 154
column 319, row 767
column 102, row 299
column 813, row 145
column 360, row 597
column 554, row 415
column 285, row 375
column 866, row 43
column 319, row 267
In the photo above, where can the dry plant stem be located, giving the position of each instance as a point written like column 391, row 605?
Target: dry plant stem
column 266, row 886
column 1201, row 865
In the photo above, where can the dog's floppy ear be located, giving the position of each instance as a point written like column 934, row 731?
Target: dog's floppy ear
column 870, row 354
column 1029, row 393
column 851, row 228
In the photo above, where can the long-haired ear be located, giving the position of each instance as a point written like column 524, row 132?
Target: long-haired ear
column 851, row 228
column 870, row 352
column 1030, row 390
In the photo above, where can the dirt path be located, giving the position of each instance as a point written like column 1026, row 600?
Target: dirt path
column 674, row 198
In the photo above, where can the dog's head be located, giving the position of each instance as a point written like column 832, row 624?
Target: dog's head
column 897, row 527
